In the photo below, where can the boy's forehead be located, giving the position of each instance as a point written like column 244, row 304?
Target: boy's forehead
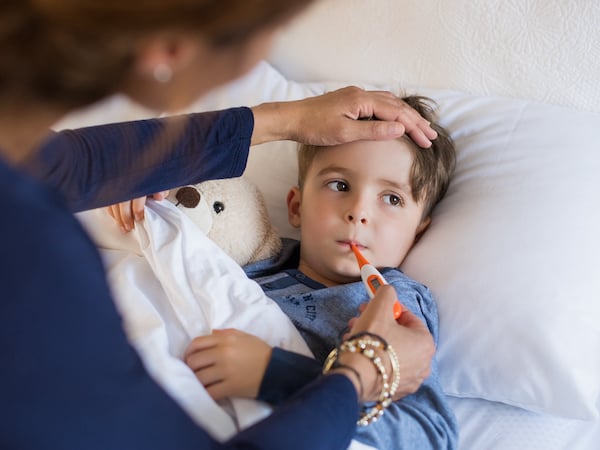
column 366, row 149
column 390, row 160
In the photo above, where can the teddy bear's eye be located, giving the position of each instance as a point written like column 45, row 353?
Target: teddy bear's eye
column 218, row 207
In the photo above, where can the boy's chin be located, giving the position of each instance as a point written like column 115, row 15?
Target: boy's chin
column 345, row 275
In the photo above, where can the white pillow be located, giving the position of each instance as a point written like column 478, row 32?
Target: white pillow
column 513, row 256
column 513, row 253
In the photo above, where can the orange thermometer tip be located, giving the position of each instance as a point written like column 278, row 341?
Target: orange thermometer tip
column 372, row 278
column 359, row 257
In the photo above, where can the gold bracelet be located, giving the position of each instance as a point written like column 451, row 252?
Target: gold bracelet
column 391, row 354
column 367, row 346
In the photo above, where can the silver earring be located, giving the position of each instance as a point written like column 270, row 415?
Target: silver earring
column 162, row 73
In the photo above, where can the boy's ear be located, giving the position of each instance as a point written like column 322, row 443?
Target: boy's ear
column 294, row 199
column 422, row 228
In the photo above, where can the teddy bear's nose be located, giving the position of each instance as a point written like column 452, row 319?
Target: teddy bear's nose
column 188, row 196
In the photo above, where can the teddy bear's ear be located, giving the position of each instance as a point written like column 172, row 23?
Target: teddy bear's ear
column 188, row 196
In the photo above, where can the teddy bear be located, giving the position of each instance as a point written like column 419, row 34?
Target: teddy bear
column 232, row 212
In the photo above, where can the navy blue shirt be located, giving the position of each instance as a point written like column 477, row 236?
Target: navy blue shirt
column 69, row 377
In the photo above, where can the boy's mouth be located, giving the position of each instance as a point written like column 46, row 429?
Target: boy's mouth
column 349, row 244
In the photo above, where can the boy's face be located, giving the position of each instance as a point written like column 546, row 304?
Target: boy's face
column 357, row 192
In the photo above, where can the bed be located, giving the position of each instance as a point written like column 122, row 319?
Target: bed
column 512, row 255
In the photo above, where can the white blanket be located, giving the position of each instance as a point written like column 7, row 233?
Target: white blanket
column 171, row 283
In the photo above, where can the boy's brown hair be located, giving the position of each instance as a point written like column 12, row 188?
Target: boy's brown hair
column 431, row 169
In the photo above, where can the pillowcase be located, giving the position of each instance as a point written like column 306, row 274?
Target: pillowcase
column 512, row 254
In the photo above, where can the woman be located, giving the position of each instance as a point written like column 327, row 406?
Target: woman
column 70, row 378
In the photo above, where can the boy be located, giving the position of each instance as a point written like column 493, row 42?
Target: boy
column 379, row 196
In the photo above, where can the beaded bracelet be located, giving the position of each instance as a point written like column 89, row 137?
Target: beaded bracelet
column 395, row 363
column 391, row 354
column 366, row 344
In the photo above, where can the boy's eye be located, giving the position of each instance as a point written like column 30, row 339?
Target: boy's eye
column 394, row 200
column 337, row 185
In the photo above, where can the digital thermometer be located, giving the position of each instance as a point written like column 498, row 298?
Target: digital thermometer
column 371, row 278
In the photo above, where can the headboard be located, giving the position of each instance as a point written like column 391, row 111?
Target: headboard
column 544, row 50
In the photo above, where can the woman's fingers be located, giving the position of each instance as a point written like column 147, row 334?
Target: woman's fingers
column 408, row 335
column 160, row 195
column 394, row 116
column 131, row 211
column 333, row 118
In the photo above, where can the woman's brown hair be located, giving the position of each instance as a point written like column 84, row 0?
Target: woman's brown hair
column 78, row 51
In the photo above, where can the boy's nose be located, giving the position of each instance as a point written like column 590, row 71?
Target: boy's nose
column 357, row 208
column 356, row 216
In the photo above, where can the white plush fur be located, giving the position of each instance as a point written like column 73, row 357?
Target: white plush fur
column 232, row 212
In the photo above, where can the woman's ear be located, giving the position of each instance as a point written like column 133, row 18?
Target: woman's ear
column 422, row 228
column 168, row 71
column 294, row 200
column 165, row 52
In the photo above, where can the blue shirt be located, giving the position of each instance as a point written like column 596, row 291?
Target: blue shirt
column 69, row 378
column 419, row 421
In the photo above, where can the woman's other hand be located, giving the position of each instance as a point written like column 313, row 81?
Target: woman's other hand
column 408, row 336
column 131, row 211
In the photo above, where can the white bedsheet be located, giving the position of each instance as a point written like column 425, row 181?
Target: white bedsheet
column 171, row 283
column 497, row 426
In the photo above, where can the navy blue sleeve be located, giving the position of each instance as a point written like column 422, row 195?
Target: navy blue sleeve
column 320, row 413
column 71, row 380
column 106, row 164
column 287, row 372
